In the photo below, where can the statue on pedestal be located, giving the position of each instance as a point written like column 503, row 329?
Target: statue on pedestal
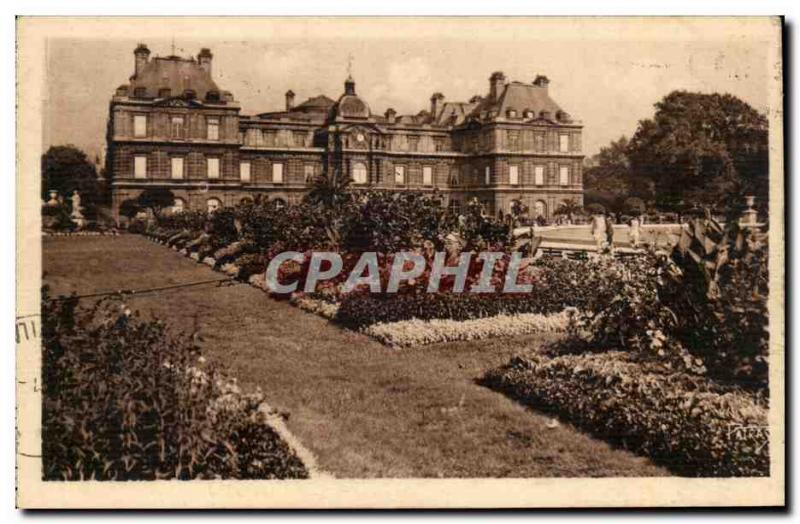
column 77, row 215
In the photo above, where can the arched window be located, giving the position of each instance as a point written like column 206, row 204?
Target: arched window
column 246, row 201
column 279, row 203
column 213, row 204
column 359, row 173
column 539, row 209
column 178, row 205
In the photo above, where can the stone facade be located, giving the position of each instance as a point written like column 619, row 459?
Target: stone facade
column 172, row 127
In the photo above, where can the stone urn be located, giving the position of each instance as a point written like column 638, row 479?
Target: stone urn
column 53, row 198
column 750, row 216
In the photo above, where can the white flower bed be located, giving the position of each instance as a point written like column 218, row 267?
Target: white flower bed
column 320, row 307
column 421, row 332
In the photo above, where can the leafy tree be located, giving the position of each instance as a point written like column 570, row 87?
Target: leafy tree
column 129, row 208
column 66, row 169
column 156, row 199
column 707, row 149
column 635, row 206
column 570, row 208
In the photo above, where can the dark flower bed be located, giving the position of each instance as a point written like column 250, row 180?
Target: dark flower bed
column 687, row 423
column 124, row 400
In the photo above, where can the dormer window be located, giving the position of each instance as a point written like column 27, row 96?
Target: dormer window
column 189, row 94
column 528, row 113
column 212, row 96
column 140, row 92
column 511, row 113
column 164, row 92
column 545, row 115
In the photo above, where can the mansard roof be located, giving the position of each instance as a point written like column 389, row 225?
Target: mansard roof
column 454, row 113
column 176, row 74
column 521, row 98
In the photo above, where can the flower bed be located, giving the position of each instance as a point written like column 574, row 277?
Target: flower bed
column 124, row 400
column 322, row 308
column 687, row 423
column 417, row 332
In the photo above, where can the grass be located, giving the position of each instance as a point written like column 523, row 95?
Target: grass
column 365, row 410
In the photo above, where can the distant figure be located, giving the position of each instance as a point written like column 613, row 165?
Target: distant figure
column 635, row 231
column 599, row 231
column 610, row 234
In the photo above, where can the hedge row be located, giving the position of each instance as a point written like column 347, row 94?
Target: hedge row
column 124, row 400
column 687, row 423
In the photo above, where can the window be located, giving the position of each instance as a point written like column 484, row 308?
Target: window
column 427, row 176
column 212, row 167
column 178, row 205
column 563, row 143
column 177, row 167
column 399, row 174
column 413, row 143
column 213, row 204
column 538, row 175
column 140, row 166
column 244, row 171
column 308, row 172
column 538, row 141
column 512, row 113
column 439, row 144
column 139, row 125
column 277, row 173
column 563, row 175
column 539, row 209
column 212, row 128
column 299, row 138
column 513, row 140
column 487, row 175
column 177, row 127
column 513, row 175
column 359, row 173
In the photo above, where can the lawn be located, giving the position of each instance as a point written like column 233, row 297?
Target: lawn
column 365, row 410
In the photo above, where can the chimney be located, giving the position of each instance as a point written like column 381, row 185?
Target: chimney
column 436, row 104
column 204, row 58
column 390, row 114
column 541, row 81
column 289, row 100
column 142, row 54
column 496, row 83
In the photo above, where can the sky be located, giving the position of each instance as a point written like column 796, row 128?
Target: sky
column 610, row 81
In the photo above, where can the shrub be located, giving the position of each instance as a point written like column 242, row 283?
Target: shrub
column 250, row 264
column 123, row 400
column 687, row 423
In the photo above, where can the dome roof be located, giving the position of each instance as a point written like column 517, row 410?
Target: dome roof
column 349, row 104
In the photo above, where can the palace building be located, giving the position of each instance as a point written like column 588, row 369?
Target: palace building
column 173, row 127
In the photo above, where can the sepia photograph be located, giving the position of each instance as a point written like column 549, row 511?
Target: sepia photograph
column 413, row 262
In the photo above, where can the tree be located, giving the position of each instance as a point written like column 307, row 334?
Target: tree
column 330, row 189
column 66, row 169
column 569, row 207
column 635, row 206
column 156, row 199
column 129, row 208
column 702, row 149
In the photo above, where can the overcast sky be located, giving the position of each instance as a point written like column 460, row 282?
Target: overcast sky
column 608, row 83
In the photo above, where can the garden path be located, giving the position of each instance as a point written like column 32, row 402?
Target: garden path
column 363, row 409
